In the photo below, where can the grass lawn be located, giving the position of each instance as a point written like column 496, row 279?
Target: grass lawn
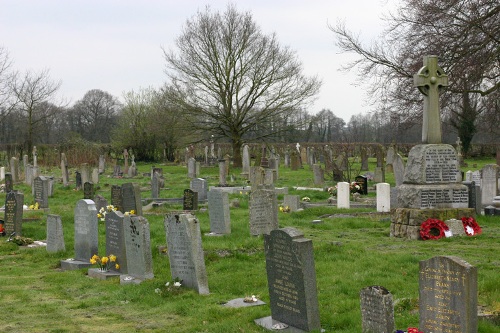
column 351, row 252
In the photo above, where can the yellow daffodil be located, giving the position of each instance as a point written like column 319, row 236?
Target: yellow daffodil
column 93, row 262
column 104, row 260
column 117, row 266
column 112, row 258
column 126, row 214
column 95, row 257
column 132, row 212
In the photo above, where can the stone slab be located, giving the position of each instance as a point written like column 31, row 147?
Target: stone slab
column 240, row 303
column 96, row 273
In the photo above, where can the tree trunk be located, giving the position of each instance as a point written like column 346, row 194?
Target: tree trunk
column 237, row 159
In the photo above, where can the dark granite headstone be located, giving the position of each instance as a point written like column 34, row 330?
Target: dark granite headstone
column 218, row 210
column 78, row 180
column 138, row 247
column 116, row 197
column 131, row 198
column 190, row 200
column 88, row 190
column 115, row 240
column 363, row 183
column 448, row 295
column 185, row 251
column 13, row 213
column 291, row 279
column 55, row 236
column 377, row 310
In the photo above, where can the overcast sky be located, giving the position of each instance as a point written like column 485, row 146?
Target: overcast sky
column 115, row 45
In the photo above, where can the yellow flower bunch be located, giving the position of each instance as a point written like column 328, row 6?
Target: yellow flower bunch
column 104, row 210
column 104, row 262
column 35, row 206
column 132, row 212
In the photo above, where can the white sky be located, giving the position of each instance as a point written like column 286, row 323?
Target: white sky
column 115, row 45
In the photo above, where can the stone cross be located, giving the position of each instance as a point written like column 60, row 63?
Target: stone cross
column 429, row 79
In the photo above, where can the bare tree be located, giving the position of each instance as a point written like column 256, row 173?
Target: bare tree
column 32, row 91
column 6, row 102
column 465, row 36
column 228, row 76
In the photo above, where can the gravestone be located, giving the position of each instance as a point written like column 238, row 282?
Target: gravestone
column 389, row 159
column 222, row 173
column 13, row 217
column 86, row 235
column 364, row 159
column 85, row 172
column 185, row 251
column 291, row 279
column 41, row 191
column 218, row 210
column 2, row 173
column 55, row 236
column 456, row 227
column 28, row 174
column 88, row 190
column 78, row 180
column 191, row 167
column 125, row 157
column 14, row 169
column 343, row 195
column 319, row 175
column 245, row 169
column 294, row 161
column 102, row 164
column 9, row 183
column 115, row 240
column 377, row 310
column 190, row 200
column 100, row 202
column 138, row 247
column 292, row 202
column 155, row 186
column 117, row 172
column 200, row 186
column 447, row 295
column 131, row 198
column 95, row 176
column 398, row 169
column 383, row 197
column 64, row 170
column 116, row 197
column 476, row 177
column 263, row 213
column 475, row 200
column 489, row 183
column 363, row 184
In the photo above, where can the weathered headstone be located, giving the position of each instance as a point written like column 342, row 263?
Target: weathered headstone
column 78, row 180
column 190, row 200
column 343, row 195
column 41, row 191
column 13, row 217
column 102, row 164
column 399, row 169
column 218, row 210
column 291, row 278
column 383, row 197
column 185, row 251
column 294, row 161
column 319, row 176
column 64, row 170
column 55, row 236
column 85, row 172
column 116, row 197
column 377, row 310
column 263, row 214
column 222, row 173
column 14, row 169
column 448, row 295
column 115, row 240
column 456, row 227
column 155, row 186
column 9, row 183
column 95, row 176
column 100, row 202
column 138, row 247
column 292, row 202
column 489, row 183
column 191, row 167
column 88, row 190
column 245, row 170
column 131, row 198
column 200, row 185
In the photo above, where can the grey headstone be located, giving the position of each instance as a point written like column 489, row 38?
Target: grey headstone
column 263, row 211
column 14, row 169
column 399, row 169
column 448, row 295
column 9, row 182
column 190, row 200
column 88, row 190
column 138, row 247
column 100, row 202
column 200, row 185
column 78, row 180
column 456, row 227
column 102, row 164
column 131, row 198
column 13, row 213
column 95, row 176
column 115, row 240
column 55, row 236
column 191, row 167
column 86, row 230
column 377, row 310
column 218, row 210
column 292, row 202
column 319, row 175
column 185, row 251
column 85, row 172
column 116, row 197
column 155, row 186
column 291, row 279
column 41, row 191
column 245, row 170
column 489, row 183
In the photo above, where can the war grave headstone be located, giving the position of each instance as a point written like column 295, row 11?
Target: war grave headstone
column 291, row 278
column 200, row 185
column 447, row 295
column 185, row 251
column 377, row 310
column 432, row 185
column 343, row 195
column 78, row 180
column 13, row 215
column 88, row 190
column 131, row 198
column 218, row 211
column 138, row 249
column 383, row 197
column 489, row 183
column 363, row 183
column 292, row 202
column 190, row 200
column 41, row 191
column 86, row 236
column 55, row 236
column 116, row 197
column 263, row 212
column 9, row 183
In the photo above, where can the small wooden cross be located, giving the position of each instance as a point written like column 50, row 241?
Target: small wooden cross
column 429, row 79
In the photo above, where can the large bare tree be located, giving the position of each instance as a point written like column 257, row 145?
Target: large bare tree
column 465, row 36
column 227, row 76
column 6, row 101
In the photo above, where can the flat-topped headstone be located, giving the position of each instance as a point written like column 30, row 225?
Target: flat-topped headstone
column 343, row 195
column 456, row 227
column 116, row 197
column 291, row 278
column 377, row 310
column 489, row 183
column 383, row 197
column 131, row 198
column 138, row 247
column 155, row 186
column 292, row 202
column 185, row 251
column 190, row 200
column 448, row 295
column 263, row 213
column 200, row 185
column 429, row 80
column 13, row 217
column 218, row 211
column 41, row 191
column 115, row 240
column 86, row 230
column 432, row 164
column 55, row 236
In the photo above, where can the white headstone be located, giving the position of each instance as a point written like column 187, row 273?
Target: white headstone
column 383, row 197
column 343, row 195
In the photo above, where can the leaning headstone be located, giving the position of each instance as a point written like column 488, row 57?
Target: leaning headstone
column 115, row 240
column 263, row 211
column 131, row 198
column 291, row 279
column 343, row 195
column 86, row 235
column 292, row 202
column 185, row 251
column 218, row 210
column 190, row 200
column 200, row 185
column 489, row 183
column 138, row 248
column 448, row 295
column 13, row 217
column 88, row 190
column 377, row 310
column 116, row 197
column 55, row 236
column 383, row 197
column 41, row 191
